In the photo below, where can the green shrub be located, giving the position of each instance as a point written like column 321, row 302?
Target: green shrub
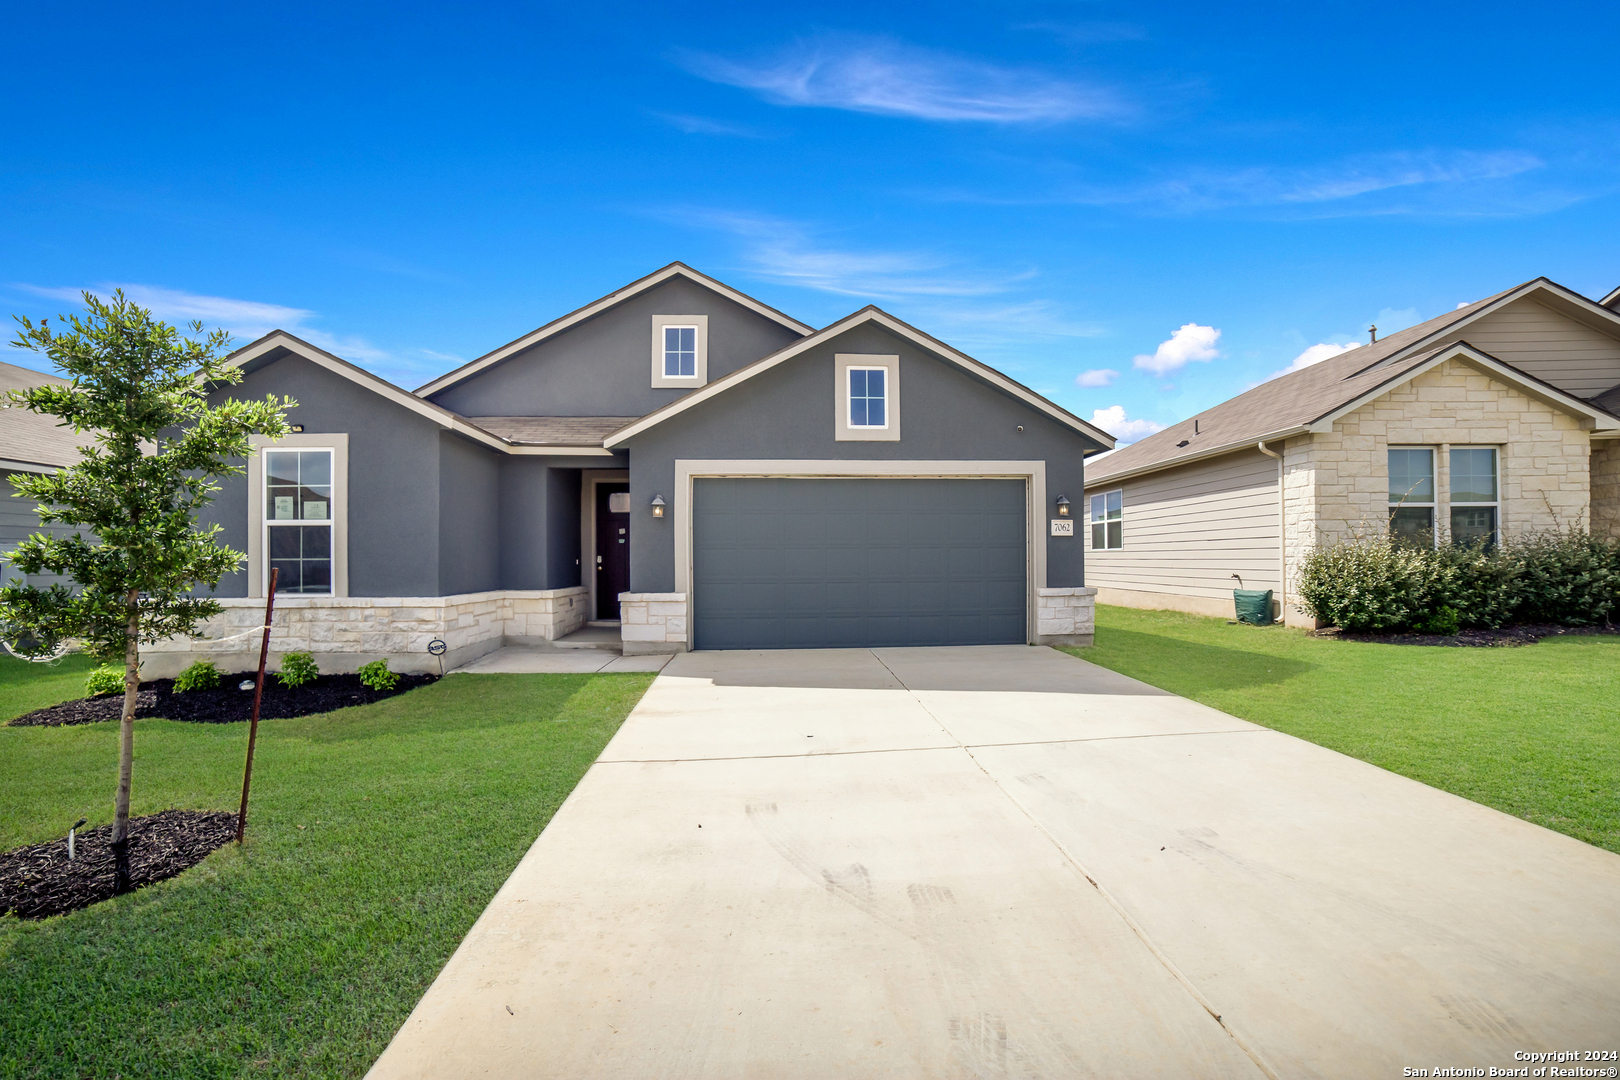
column 1443, row 621
column 106, row 679
column 297, row 668
column 377, row 676
column 202, row 675
column 1379, row 583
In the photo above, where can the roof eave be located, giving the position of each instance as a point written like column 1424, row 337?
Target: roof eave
column 1199, row 455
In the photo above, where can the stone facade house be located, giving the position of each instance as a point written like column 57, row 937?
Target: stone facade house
column 675, row 462
column 1500, row 417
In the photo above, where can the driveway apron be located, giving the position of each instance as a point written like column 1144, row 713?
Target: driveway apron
column 1001, row 861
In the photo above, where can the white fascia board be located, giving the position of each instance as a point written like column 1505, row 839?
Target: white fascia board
column 1612, row 300
column 882, row 318
column 1502, row 372
column 1109, row 479
column 594, row 450
column 381, row 387
column 596, row 307
column 26, row 466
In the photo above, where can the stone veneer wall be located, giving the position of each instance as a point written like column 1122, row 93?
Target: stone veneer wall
column 345, row 632
column 1606, row 487
column 653, row 623
column 1065, row 616
column 1336, row 483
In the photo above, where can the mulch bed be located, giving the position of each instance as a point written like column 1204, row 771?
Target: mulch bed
column 226, row 705
column 1505, row 636
column 39, row 881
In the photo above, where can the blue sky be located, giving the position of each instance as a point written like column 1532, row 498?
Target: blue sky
column 1139, row 210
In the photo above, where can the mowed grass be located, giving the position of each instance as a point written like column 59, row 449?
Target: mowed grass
column 376, row 836
column 1531, row 731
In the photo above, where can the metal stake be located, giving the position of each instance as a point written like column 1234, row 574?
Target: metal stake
column 258, row 692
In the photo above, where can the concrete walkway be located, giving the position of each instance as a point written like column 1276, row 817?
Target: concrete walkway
column 1004, row 862
column 526, row 660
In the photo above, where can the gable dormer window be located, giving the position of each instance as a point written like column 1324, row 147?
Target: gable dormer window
column 680, row 352
column 866, row 397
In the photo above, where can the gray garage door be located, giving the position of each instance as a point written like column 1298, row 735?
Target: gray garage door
column 810, row 564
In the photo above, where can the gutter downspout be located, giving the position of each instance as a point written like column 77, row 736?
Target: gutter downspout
column 1282, row 537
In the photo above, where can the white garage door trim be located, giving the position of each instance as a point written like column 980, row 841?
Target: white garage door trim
column 1033, row 473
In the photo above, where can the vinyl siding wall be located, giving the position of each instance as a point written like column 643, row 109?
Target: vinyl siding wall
column 1187, row 531
column 1555, row 349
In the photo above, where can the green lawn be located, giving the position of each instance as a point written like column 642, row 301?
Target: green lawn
column 376, row 836
column 1532, row 731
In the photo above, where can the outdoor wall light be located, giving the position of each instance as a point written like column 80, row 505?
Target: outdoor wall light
column 1063, row 506
column 297, row 427
column 658, row 506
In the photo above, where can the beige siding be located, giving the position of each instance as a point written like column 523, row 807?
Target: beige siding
column 1554, row 348
column 1189, row 529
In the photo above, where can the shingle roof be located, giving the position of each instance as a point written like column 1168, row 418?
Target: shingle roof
column 32, row 438
column 1289, row 401
column 552, row 430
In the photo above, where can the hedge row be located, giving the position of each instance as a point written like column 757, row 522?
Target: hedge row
column 1382, row 583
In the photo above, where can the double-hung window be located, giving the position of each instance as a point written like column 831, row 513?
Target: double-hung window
column 868, row 397
column 298, row 519
column 680, row 352
column 1474, row 495
column 1107, row 520
column 1411, row 494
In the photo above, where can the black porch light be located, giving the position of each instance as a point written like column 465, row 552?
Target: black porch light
column 658, row 506
column 1063, row 506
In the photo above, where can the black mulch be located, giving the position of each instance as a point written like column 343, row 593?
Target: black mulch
column 1506, row 636
column 39, row 881
column 226, row 705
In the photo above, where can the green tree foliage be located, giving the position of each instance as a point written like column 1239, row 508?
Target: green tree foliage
column 143, row 569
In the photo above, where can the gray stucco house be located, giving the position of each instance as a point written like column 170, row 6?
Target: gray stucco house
column 675, row 459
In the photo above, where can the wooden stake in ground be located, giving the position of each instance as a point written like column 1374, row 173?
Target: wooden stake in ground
column 258, row 693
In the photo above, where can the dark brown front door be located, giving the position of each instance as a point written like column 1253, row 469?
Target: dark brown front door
column 612, row 549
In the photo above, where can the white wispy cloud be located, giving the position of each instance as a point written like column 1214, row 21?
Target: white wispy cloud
column 245, row 320
column 1114, row 421
column 1317, row 353
column 1095, row 378
column 1189, row 343
column 891, row 78
column 703, row 125
column 792, row 253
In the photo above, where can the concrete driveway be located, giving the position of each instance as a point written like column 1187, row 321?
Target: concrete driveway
column 1005, row 862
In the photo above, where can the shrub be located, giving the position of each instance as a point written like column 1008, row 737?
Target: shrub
column 106, row 679
column 202, row 675
column 298, row 668
column 1380, row 583
column 1443, row 621
column 377, row 676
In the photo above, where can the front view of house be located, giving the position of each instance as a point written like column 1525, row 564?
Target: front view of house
column 676, row 459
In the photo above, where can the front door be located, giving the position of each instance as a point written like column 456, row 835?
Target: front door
column 612, row 547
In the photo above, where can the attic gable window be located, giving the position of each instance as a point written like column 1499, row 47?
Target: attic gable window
column 868, row 398
column 680, row 352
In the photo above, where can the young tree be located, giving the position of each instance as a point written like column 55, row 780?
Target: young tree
column 141, row 390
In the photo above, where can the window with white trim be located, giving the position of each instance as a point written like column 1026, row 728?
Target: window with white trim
column 298, row 519
column 1411, row 493
column 868, row 397
column 1474, row 495
column 1108, row 520
column 680, row 352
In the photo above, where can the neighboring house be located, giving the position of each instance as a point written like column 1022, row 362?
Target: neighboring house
column 1499, row 417
column 675, row 459
column 29, row 443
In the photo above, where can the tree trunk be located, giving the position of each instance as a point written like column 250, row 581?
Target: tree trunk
column 126, row 742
